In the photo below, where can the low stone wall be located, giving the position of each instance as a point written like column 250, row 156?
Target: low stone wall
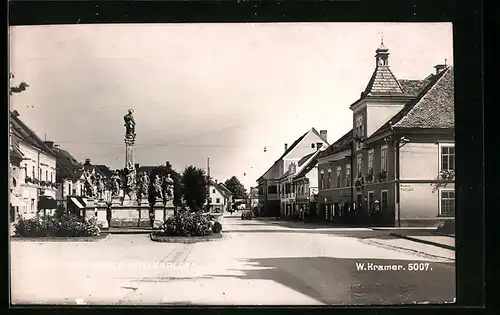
column 131, row 214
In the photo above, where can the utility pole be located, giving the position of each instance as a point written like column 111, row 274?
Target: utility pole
column 208, row 184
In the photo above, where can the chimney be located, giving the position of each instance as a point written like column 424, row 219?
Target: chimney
column 215, row 182
column 439, row 68
column 56, row 145
column 286, row 146
column 136, row 165
column 87, row 162
column 319, row 145
column 15, row 113
column 50, row 144
column 323, row 134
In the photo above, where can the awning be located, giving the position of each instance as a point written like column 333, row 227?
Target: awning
column 46, row 202
column 78, row 202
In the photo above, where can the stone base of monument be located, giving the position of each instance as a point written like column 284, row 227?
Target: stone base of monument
column 101, row 216
column 130, row 216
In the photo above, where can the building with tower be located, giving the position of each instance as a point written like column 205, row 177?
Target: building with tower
column 396, row 167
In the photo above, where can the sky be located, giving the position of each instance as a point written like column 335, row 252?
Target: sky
column 220, row 91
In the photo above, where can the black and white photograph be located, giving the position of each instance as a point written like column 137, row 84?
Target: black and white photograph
column 232, row 164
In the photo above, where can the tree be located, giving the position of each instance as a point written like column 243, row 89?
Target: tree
column 194, row 187
column 236, row 187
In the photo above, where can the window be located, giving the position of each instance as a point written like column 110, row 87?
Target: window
column 46, row 175
column 447, row 203
column 52, row 177
column 448, row 157
column 69, row 189
column 213, row 190
column 217, row 200
column 32, row 208
column 272, row 189
column 329, row 184
column 312, row 145
column 348, row 175
column 371, row 199
column 339, row 169
column 25, row 170
column 383, row 202
column 370, row 160
column 383, row 159
column 25, row 209
column 359, row 164
column 321, row 178
column 40, row 174
column 359, row 126
column 33, row 172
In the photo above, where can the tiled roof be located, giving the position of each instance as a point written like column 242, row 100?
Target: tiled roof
column 24, row 133
column 66, row 164
column 146, row 169
column 435, row 108
column 432, row 108
column 305, row 158
column 225, row 190
column 411, row 87
column 342, row 144
column 312, row 163
column 104, row 170
column 383, row 82
column 16, row 153
column 294, row 144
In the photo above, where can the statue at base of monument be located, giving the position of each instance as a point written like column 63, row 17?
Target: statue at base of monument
column 157, row 185
column 143, row 185
column 115, row 184
column 168, row 187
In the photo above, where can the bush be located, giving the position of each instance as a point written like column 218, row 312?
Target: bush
column 61, row 225
column 447, row 227
column 216, row 227
column 186, row 224
column 247, row 215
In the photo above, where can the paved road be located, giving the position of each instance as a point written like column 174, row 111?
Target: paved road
column 256, row 263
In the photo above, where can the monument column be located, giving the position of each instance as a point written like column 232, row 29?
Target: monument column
column 129, row 152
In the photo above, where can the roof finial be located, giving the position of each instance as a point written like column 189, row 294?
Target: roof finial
column 445, row 61
column 381, row 37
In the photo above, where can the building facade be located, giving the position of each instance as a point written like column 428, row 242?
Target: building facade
column 396, row 166
column 34, row 174
column 268, row 184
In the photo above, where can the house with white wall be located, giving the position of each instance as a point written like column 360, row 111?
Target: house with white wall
column 36, row 175
column 396, row 166
column 218, row 198
column 268, row 183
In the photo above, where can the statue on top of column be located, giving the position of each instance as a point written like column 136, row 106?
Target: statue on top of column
column 129, row 124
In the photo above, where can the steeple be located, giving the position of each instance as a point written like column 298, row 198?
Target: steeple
column 382, row 53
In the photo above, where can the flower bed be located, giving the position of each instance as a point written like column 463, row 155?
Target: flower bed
column 247, row 215
column 187, row 227
column 56, row 226
column 185, row 239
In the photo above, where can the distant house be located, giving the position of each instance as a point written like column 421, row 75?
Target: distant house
column 33, row 171
column 228, row 195
column 218, row 198
column 396, row 166
column 268, row 183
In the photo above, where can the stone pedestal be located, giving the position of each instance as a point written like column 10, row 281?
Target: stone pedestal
column 101, row 216
column 116, row 201
column 130, row 200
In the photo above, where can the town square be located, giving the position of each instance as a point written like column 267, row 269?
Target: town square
column 293, row 167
